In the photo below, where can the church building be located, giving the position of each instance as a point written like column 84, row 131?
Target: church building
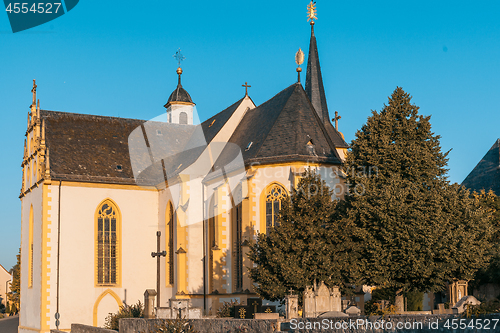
column 96, row 190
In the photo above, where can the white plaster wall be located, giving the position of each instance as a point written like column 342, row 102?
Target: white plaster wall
column 175, row 110
column 195, row 239
column 31, row 296
column 282, row 174
column 164, row 197
column 78, row 293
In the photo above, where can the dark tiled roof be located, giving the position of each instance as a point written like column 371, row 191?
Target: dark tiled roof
column 279, row 131
column 316, row 92
column 89, row 148
column 486, row 174
column 314, row 81
column 179, row 95
column 337, row 139
column 194, row 141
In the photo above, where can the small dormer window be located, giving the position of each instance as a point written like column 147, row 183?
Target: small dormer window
column 158, row 132
column 119, row 168
column 310, row 147
column 249, row 146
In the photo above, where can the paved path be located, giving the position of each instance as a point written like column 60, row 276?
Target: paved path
column 9, row 324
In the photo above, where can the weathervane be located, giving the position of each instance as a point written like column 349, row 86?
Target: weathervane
column 179, row 57
column 299, row 60
column 311, row 12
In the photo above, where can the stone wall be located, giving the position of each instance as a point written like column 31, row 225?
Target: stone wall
column 79, row 328
column 394, row 323
column 132, row 325
column 361, row 324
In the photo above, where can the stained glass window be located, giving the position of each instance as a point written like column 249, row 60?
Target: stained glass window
column 274, row 196
column 107, row 244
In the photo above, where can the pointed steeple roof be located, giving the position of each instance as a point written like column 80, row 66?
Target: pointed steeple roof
column 486, row 174
column 316, row 92
column 314, row 81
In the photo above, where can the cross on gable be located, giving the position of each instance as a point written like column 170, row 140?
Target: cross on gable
column 246, row 88
column 336, row 120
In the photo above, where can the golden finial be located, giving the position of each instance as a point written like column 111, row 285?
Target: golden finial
column 311, row 12
column 299, row 60
column 299, row 57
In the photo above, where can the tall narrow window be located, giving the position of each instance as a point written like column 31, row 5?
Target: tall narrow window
column 274, row 196
column 183, row 118
column 31, row 225
column 170, row 243
column 107, row 241
column 237, row 243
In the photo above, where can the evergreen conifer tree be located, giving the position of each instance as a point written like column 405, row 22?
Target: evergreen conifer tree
column 416, row 232
column 305, row 246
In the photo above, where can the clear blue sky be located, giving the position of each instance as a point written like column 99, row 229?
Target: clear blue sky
column 115, row 58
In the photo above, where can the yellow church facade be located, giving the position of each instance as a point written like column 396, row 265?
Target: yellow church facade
column 92, row 202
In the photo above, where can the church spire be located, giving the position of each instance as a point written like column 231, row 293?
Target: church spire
column 314, row 81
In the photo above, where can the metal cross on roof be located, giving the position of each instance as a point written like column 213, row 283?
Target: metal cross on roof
column 246, row 88
column 179, row 57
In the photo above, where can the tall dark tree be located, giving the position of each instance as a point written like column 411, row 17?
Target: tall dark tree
column 416, row 232
column 305, row 246
column 491, row 273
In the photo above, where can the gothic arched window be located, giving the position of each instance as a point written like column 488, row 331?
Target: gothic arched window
column 274, row 196
column 107, row 244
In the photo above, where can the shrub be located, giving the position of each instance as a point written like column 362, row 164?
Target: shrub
column 226, row 310
column 415, row 301
column 486, row 307
column 126, row 311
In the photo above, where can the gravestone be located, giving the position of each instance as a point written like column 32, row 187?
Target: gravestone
column 335, row 299
column 292, row 306
column 462, row 304
column 321, row 299
column 309, row 303
column 149, row 303
column 353, row 311
column 254, row 305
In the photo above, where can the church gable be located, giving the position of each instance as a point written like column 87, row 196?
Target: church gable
column 486, row 174
column 213, row 125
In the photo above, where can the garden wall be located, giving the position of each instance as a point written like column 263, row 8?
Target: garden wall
column 358, row 324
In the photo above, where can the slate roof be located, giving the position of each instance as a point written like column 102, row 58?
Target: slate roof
column 316, row 92
column 486, row 174
column 179, row 95
column 279, row 131
column 89, row 148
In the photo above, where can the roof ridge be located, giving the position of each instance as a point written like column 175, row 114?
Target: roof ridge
column 215, row 115
column 88, row 115
column 4, row 268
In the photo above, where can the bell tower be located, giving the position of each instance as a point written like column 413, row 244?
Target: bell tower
column 180, row 106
